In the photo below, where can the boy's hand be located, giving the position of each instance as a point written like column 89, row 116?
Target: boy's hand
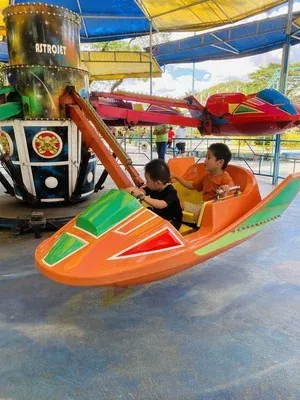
column 130, row 189
column 224, row 188
column 138, row 193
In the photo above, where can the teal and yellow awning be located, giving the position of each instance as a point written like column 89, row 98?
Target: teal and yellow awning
column 195, row 15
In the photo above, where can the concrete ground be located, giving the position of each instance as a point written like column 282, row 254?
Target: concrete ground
column 225, row 329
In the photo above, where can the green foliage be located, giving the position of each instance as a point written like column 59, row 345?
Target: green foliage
column 293, row 83
column 290, row 140
column 225, row 87
column 117, row 45
column 136, row 44
column 293, row 134
column 257, row 81
column 263, row 141
column 157, row 38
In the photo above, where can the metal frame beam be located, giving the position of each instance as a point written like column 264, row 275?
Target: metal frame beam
column 282, row 85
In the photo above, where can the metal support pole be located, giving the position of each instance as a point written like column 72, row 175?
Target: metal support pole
column 193, row 82
column 282, row 84
column 193, row 91
column 151, row 88
column 193, row 87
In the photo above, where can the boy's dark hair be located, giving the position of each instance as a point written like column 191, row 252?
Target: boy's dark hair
column 221, row 152
column 158, row 170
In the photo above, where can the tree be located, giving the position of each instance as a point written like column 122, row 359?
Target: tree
column 224, row 87
column 157, row 38
column 117, row 45
column 258, row 80
column 293, row 82
column 261, row 79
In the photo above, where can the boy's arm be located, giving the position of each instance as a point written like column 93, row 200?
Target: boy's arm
column 141, row 195
column 159, row 204
column 183, row 182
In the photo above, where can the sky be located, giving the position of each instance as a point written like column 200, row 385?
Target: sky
column 178, row 79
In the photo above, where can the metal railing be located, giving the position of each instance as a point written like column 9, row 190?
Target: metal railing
column 292, row 82
column 257, row 154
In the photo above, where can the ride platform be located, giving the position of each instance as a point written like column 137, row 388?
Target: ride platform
column 21, row 217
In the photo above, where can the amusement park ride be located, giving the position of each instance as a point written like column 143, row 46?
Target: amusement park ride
column 267, row 112
column 48, row 127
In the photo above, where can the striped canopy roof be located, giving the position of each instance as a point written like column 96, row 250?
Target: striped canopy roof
column 233, row 42
column 116, row 19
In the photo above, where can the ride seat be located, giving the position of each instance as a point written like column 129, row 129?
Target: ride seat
column 224, row 103
column 214, row 215
column 179, row 166
column 195, row 207
column 192, row 222
column 186, row 229
column 138, row 107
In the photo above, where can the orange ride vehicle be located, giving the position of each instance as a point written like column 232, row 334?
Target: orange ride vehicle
column 117, row 241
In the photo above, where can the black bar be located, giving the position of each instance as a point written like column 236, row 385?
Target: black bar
column 9, row 189
column 16, row 178
column 102, row 179
column 85, row 157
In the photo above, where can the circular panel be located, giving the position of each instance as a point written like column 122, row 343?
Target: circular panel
column 90, row 177
column 47, row 144
column 6, row 143
column 51, row 182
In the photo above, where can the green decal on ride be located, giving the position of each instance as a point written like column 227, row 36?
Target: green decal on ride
column 276, row 206
column 9, row 110
column 65, row 246
column 243, row 109
column 7, row 89
column 227, row 240
column 107, row 211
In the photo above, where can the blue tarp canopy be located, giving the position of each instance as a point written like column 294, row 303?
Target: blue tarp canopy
column 118, row 19
column 233, row 42
column 104, row 20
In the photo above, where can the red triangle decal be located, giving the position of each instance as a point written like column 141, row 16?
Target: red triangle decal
column 164, row 240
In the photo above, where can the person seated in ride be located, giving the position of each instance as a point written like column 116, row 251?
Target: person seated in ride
column 217, row 158
column 159, row 193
